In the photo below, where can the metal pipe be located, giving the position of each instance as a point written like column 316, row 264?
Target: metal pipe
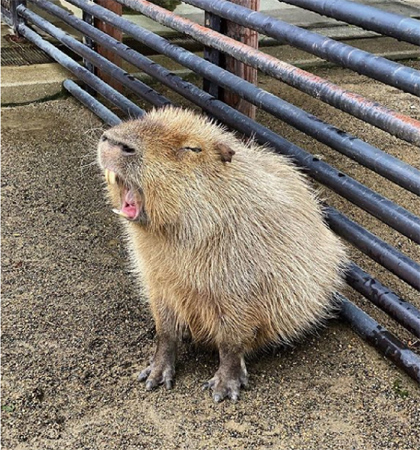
column 142, row 90
column 386, row 165
column 382, row 208
column 380, row 338
column 364, row 16
column 403, row 312
column 374, row 247
column 369, row 111
column 106, row 91
column 90, row 102
column 381, row 69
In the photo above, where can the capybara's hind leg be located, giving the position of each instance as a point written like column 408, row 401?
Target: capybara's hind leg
column 162, row 366
column 230, row 376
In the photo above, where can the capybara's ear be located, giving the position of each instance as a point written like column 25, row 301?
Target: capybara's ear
column 226, row 152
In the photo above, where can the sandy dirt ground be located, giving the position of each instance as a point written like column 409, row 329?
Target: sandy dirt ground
column 76, row 332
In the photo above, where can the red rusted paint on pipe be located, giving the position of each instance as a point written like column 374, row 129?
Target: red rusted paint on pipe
column 382, row 117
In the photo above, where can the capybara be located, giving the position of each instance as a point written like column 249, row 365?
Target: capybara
column 228, row 240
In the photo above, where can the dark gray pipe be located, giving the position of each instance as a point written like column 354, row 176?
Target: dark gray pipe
column 128, row 107
column 366, row 17
column 389, row 167
column 90, row 102
column 375, row 248
column 380, row 337
column 142, row 90
column 403, row 312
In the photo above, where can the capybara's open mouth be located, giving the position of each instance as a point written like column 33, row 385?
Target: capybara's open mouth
column 131, row 199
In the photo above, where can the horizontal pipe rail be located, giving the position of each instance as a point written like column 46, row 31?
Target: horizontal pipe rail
column 374, row 247
column 366, row 17
column 90, row 102
column 128, row 107
column 403, row 312
column 381, row 69
column 142, row 90
column 382, row 208
column 386, row 165
column 380, row 338
column 390, row 121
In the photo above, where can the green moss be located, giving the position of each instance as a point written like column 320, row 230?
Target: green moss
column 399, row 390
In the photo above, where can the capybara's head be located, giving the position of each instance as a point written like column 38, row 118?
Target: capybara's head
column 156, row 165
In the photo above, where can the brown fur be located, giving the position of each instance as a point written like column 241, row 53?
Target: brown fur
column 232, row 243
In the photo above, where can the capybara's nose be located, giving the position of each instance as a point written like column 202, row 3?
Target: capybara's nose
column 127, row 150
column 117, row 148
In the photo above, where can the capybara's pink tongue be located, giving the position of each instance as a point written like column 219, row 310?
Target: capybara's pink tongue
column 130, row 207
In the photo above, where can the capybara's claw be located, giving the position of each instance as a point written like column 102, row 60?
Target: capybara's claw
column 155, row 376
column 224, row 388
column 144, row 374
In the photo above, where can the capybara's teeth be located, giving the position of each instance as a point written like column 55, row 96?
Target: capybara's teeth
column 111, row 177
column 120, row 213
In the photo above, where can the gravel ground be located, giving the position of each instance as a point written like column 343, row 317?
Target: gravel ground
column 76, row 332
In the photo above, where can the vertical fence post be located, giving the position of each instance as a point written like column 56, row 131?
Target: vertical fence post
column 248, row 73
column 212, row 55
column 116, row 34
column 88, row 18
column 13, row 13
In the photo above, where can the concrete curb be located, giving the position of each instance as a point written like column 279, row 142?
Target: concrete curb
column 27, row 84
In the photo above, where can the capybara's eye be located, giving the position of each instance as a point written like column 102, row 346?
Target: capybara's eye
column 127, row 149
column 193, row 149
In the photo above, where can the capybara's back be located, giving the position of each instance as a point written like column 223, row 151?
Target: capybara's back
column 228, row 238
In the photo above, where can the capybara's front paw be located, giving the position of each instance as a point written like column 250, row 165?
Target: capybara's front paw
column 157, row 374
column 226, row 386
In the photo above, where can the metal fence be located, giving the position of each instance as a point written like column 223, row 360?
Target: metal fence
column 28, row 24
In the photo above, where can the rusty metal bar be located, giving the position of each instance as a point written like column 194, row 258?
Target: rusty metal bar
column 90, row 102
column 382, row 208
column 403, row 312
column 369, row 111
column 366, row 17
column 380, row 338
column 381, row 69
column 128, row 107
column 142, row 90
column 371, row 157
